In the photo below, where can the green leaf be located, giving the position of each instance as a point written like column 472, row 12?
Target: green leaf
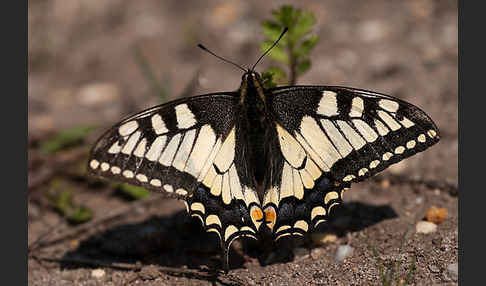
column 277, row 53
column 287, row 15
column 307, row 45
column 272, row 29
column 80, row 215
column 297, row 44
column 273, row 76
column 63, row 202
column 60, row 196
column 150, row 76
column 279, row 75
column 66, row 138
column 133, row 192
column 267, row 79
column 303, row 66
column 304, row 25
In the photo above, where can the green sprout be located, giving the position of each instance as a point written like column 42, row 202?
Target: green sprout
column 132, row 192
column 390, row 274
column 148, row 73
column 66, row 139
column 60, row 196
column 295, row 47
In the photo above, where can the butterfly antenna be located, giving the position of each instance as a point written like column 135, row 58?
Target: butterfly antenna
column 268, row 50
column 221, row 58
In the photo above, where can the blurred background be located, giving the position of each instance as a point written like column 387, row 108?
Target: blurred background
column 93, row 62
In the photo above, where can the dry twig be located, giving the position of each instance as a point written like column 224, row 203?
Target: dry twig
column 226, row 279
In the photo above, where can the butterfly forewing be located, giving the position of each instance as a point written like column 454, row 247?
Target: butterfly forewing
column 352, row 134
column 165, row 147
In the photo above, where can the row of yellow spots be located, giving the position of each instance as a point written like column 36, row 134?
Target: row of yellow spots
column 398, row 150
column 115, row 170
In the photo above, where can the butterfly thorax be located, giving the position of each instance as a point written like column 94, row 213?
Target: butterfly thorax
column 254, row 122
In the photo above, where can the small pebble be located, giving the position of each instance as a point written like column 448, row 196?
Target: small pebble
column 372, row 30
column 434, row 268
column 398, row 168
column 342, row 252
column 385, row 184
column 98, row 273
column 435, row 214
column 73, row 243
column 98, row 93
column 320, row 238
column 317, row 252
column 149, row 273
column 453, row 269
column 425, row 227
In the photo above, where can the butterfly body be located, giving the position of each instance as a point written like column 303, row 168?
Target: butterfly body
column 262, row 161
column 254, row 120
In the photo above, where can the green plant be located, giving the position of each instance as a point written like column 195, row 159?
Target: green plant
column 159, row 87
column 60, row 196
column 132, row 192
column 390, row 274
column 66, row 138
column 294, row 49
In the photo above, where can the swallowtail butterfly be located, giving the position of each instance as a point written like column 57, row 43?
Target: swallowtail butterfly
column 260, row 160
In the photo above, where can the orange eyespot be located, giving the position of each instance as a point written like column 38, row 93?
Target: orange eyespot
column 256, row 215
column 270, row 216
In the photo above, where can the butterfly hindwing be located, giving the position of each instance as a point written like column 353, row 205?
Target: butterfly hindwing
column 298, row 192
column 224, row 199
column 352, row 134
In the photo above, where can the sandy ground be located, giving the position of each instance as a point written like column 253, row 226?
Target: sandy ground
column 82, row 70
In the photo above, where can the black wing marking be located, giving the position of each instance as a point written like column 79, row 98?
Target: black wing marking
column 168, row 147
column 351, row 134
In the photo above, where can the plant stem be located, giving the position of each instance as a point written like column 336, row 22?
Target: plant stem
column 149, row 74
column 292, row 63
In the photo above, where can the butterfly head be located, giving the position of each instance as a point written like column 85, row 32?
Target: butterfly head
column 251, row 84
column 251, row 76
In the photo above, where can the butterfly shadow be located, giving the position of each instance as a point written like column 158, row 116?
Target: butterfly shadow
column 178, row 241
column 175, row 241
column 345, row 218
